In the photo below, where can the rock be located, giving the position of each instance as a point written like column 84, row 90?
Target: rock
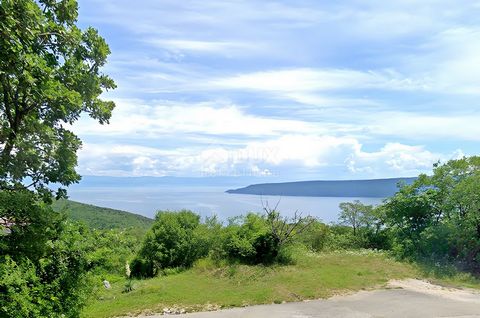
column 106, row 284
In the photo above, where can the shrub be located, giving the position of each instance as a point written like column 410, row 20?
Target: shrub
column 174, row 240
column 44, row 266
column 110, row 249
column 315, row 237
column 56, row 285
column 142, row 267
column 16, row 292
column 128, row 287
column 248, row 239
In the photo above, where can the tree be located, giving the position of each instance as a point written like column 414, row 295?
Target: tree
column 49, row 75
column 284, row 229
column 438, row 216
column 356, row 214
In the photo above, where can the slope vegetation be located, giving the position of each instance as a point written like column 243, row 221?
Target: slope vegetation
column 101, row 218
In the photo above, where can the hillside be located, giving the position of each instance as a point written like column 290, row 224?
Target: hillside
column 377, row 188
column 101, row 218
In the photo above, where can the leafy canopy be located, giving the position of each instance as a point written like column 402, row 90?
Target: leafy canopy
column 175, row 240
column 355, row 214
column 49, row 75
column 439, row 215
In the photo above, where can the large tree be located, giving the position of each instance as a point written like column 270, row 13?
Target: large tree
column 50, row 73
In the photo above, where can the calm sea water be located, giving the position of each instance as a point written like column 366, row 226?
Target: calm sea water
column 206, row 201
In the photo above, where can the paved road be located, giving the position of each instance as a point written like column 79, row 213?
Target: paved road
column 404, row 299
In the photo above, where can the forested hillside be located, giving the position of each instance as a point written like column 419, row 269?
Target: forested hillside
column 101, row 218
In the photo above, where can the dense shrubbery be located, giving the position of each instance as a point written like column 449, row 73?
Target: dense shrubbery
column 109, row 250
column 249, row 239
column 43, row 261
column 177, row 239
column 48, row 264
column 173, row 241
column 435, row 219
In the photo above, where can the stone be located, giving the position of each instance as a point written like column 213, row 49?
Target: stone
column 106, row 284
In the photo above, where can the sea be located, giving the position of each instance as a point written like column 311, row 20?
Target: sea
column 207, row 201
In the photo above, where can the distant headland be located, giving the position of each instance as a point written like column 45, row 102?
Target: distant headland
column 375, row 188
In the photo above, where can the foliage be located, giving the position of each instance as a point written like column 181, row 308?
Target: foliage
column 249, row 239
column 361, row 226
column 17, row 298
column 177, row 239
column 44, row 267
column 284, row 229
column 102, row 218
column 128, row 287
column 356, row 214
column 49, row 75
column 438, row 216
column 110, row 249
column 32, row 224
column 316, row 236
column 173, row 241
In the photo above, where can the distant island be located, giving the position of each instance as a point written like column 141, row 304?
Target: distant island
column 376, row 188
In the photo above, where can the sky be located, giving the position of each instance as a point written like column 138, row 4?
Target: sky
column 289, row 89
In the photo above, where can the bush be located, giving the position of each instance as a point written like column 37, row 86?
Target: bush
column 248, row 239
column 381, row 240
column 174, row 240
column 110, row 249
column 142, row 267
column 178, row 239
column 44, row 264
column 315, row 237
column 17, row 297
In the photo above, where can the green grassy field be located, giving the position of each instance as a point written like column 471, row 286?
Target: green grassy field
column 101, row 218
column 211, row 286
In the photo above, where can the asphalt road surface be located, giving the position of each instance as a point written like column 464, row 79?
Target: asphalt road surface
column 408, row 298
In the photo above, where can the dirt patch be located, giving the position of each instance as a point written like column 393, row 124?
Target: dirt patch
column 420, row 286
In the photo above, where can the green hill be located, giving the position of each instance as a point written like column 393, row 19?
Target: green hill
column 101, row 218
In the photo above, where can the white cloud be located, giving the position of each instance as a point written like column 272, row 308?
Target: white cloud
column 323, row 81
column 308, row 154
column 120, row 160
column 229, row 48
column 454, row 60
column 135, row 117
column 308, row 80
column 399, row 158
column 464, row 125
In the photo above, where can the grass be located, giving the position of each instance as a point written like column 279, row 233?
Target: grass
column 208, row 285
column 102, row 218
column 448, row 275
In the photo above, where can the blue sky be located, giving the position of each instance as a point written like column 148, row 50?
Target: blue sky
column 292, row 89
